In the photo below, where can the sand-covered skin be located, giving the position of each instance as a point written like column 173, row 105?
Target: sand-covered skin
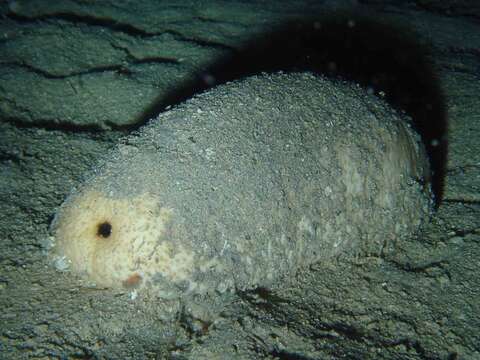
column 245, row 184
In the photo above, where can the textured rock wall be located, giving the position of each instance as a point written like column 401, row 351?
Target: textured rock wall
column 69, row 72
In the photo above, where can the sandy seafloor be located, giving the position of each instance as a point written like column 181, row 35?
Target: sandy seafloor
column 77, row 75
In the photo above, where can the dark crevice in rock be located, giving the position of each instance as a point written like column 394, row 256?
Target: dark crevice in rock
column 288, row 355
column 48, row 75
column 344, row 330
column 421, row 268
column 132, row 59
column 117, row 68
column 218, row 22
column 203, row 42
column 114, row 25
column 409, row 344
column 155, row 60
column 262, row 298
column 462, row 201
column 9, row 157
column 58, row 125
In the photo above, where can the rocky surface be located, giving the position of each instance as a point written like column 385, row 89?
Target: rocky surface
column 75, row 76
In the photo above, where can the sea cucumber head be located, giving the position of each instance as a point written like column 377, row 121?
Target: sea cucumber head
column 119, row 242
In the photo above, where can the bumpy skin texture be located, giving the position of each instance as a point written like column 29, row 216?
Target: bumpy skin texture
column 245, row 184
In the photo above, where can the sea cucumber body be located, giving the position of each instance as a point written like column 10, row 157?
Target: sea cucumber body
column 244, row 185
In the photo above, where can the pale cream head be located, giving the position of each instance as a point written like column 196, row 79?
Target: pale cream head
column 119, row 242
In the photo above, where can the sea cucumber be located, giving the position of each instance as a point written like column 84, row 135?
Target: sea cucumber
column 243, row 185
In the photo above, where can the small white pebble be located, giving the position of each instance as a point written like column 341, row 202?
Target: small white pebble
column 61, row 263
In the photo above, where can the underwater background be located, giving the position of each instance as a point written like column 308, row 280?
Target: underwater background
column 76, row 76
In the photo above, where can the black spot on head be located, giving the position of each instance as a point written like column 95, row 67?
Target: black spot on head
column 104, row 229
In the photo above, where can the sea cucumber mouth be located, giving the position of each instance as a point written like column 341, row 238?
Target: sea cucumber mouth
column 104, row 229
